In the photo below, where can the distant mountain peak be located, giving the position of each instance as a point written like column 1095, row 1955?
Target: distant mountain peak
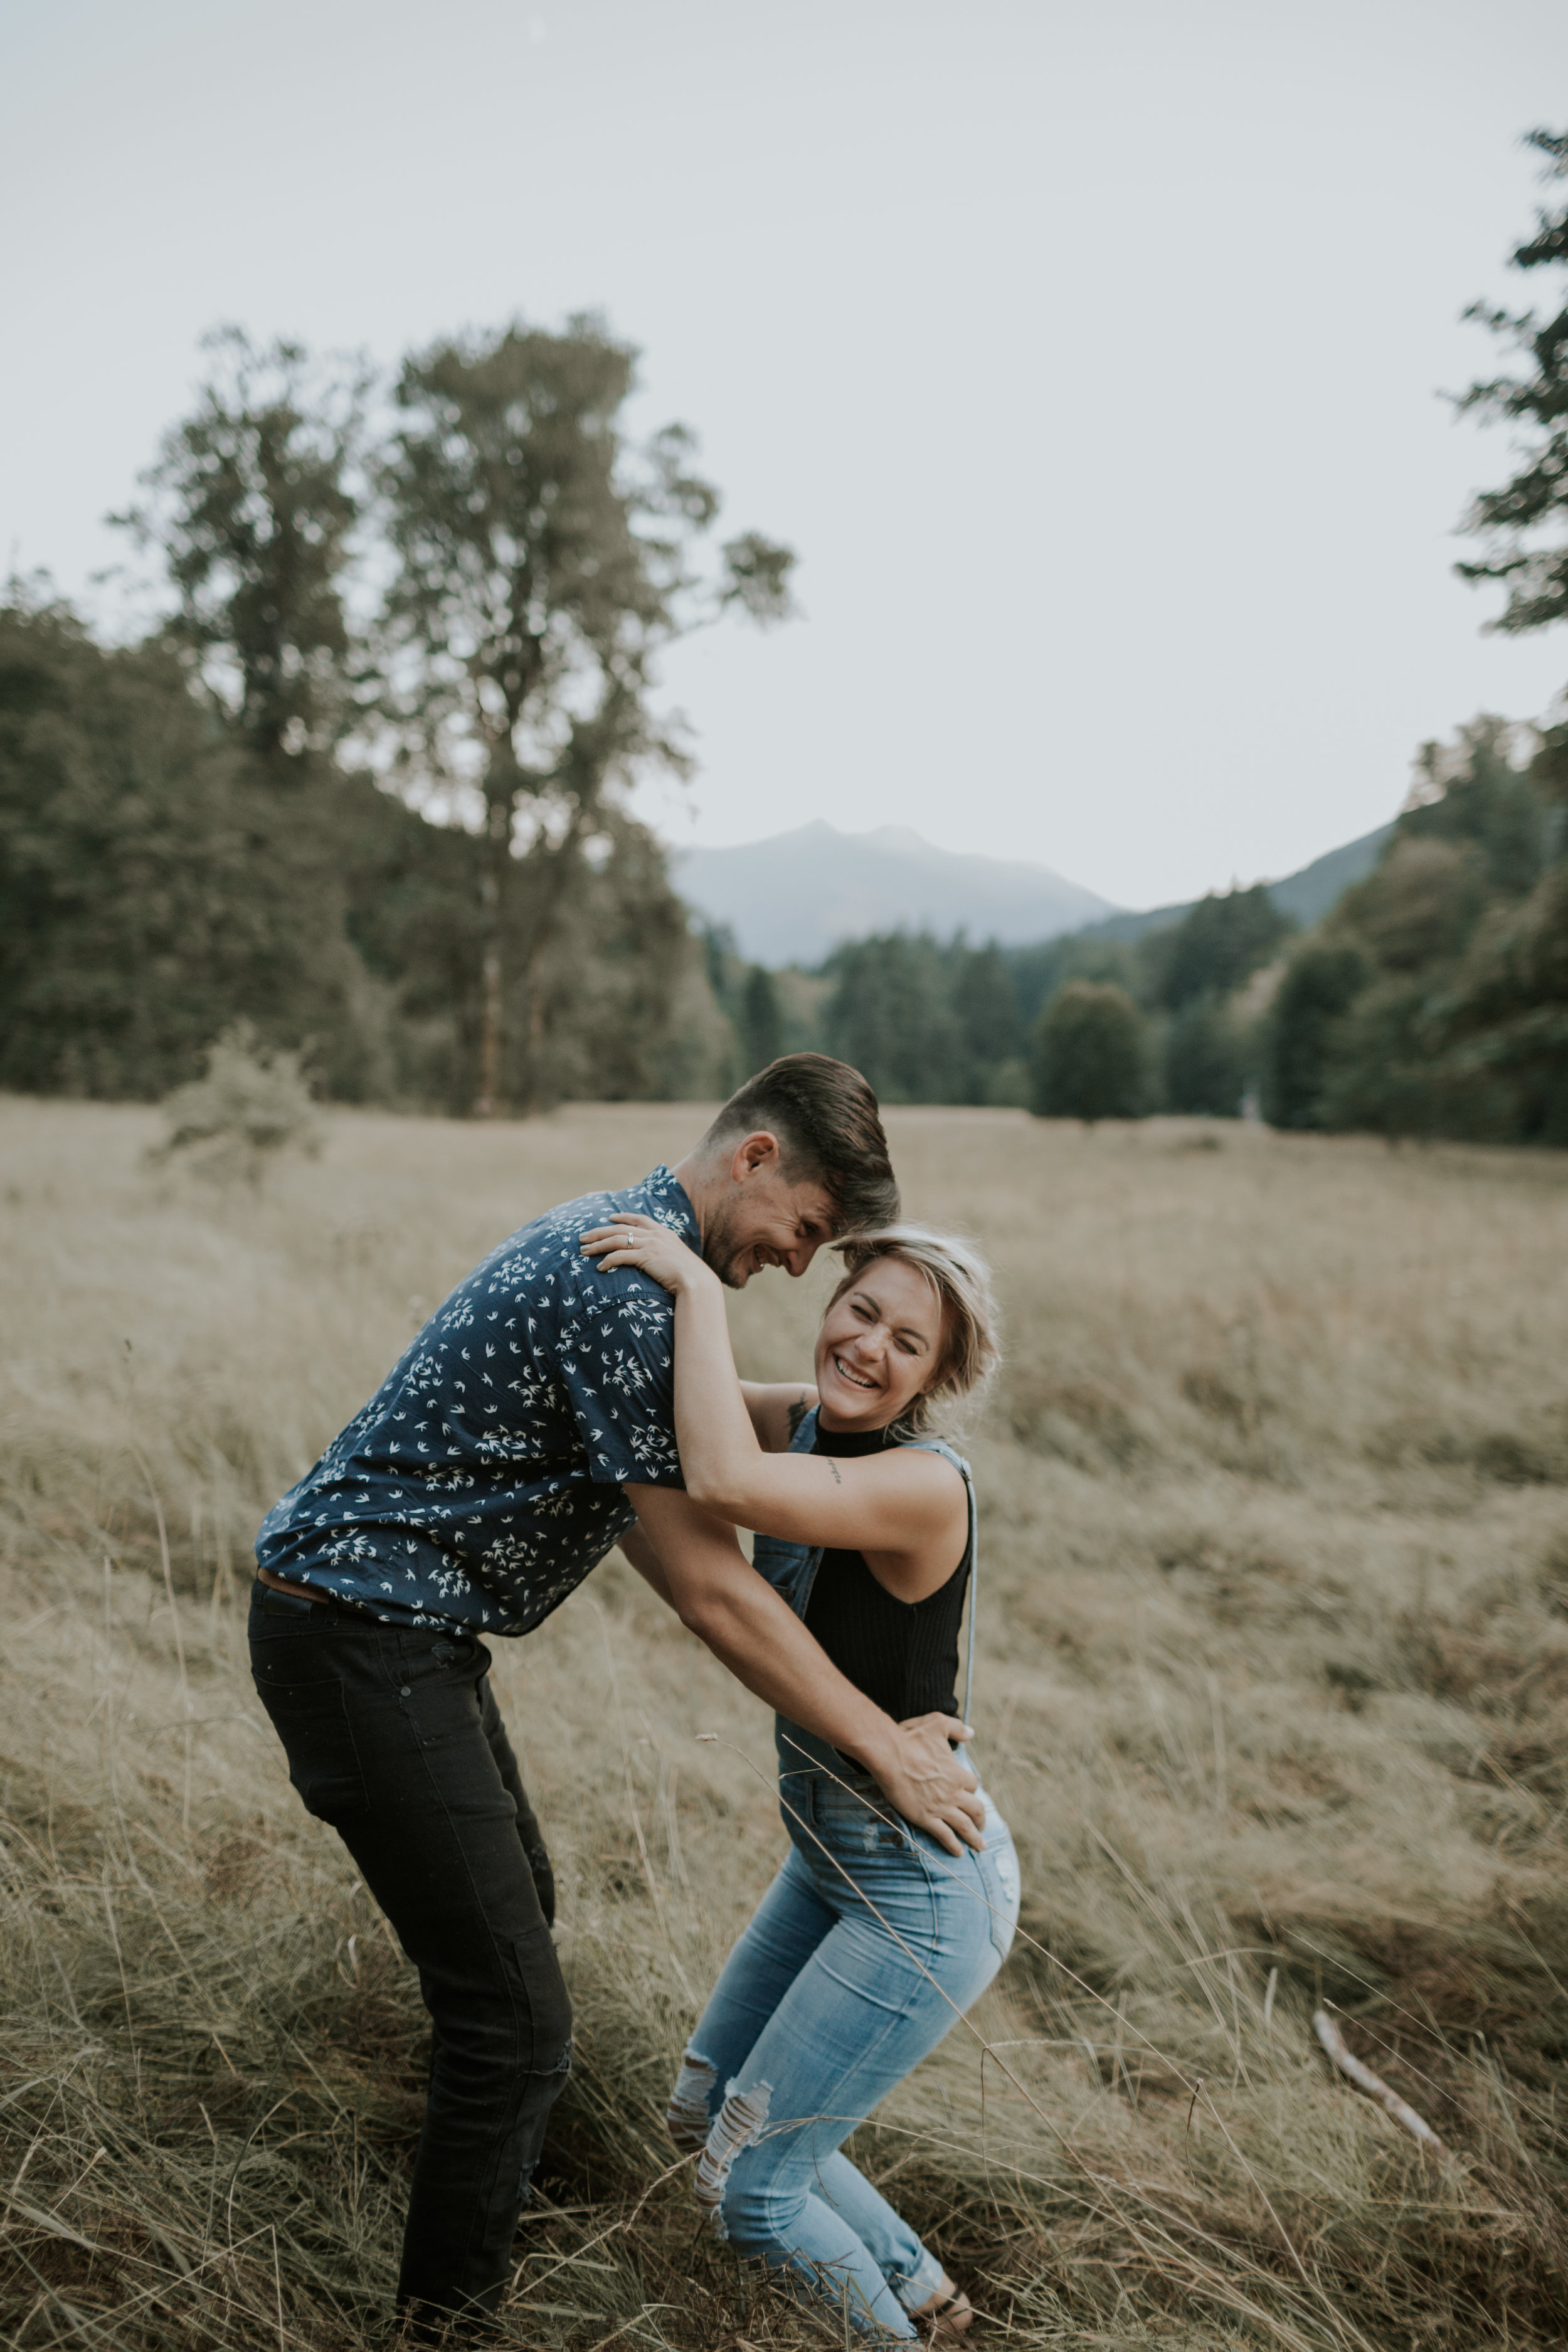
column 795, row 896
column 897, row 836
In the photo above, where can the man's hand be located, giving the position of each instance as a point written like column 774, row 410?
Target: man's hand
column 930, row 1785
column 751, row 1628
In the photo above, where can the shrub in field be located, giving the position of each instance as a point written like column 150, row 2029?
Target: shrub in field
column 252, row 1104
column 1089, row 1055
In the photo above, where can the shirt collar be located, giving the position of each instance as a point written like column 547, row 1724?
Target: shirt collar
column 667, row 1194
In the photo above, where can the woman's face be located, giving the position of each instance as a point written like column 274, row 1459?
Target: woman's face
column 880, row 1345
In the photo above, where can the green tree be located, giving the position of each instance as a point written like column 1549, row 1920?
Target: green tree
column 1322, row 981
column 1505, row 1014
column 1205, row 1061
column 985, row 1004
column 1418, row 907
column 1504, row 1020
column 1511, row 520
column 761, row 1019
column 1474, row 794
column 1215, row 948
column 253, row 507
column 1382, row 1076
column 1037, row 972
column 541, row 566
column 890, row 1014
column 1089, row 1055
column 155, row 885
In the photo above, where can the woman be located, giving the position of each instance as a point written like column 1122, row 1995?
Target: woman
column 872, row 1939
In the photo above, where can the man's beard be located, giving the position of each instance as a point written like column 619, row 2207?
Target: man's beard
column 723, row 1251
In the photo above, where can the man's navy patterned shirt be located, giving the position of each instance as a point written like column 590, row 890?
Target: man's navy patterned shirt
column 483, row 1479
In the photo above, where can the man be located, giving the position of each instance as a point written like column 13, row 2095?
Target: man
column 528, row 1429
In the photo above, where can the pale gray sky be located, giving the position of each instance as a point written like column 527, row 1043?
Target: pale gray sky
column 1087, row 354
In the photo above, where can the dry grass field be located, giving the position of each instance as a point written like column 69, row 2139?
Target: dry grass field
column 1273, row 1686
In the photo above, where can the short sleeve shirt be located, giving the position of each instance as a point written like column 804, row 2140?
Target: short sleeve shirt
column 484, row 1478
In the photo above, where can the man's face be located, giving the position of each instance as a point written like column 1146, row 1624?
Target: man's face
column 763, row 1219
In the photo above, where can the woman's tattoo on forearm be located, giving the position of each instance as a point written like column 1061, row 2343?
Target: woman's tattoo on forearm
column 834, row 1467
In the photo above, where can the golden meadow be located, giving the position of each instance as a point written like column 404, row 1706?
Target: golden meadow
column 1273, row 1686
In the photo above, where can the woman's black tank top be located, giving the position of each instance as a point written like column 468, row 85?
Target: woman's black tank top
column 902, row 1654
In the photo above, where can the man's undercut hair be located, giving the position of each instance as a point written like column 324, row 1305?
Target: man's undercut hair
column 825, row 1119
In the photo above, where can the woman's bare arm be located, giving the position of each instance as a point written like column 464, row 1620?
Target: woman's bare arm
column 907, row 1511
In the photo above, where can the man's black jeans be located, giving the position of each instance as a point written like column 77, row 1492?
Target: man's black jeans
column 393, row 1737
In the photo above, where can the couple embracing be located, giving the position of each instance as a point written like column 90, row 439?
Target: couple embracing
column 577, row 1392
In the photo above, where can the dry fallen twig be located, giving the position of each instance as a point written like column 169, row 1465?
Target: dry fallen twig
column 1333, row 2041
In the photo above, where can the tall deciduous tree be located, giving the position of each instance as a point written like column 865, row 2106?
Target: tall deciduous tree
column 253, row 505
column 1534, row 501
column 542, row 565
column 154, row 885
column 1089, row 1055
column 1323, row 981
column 1205, row 1061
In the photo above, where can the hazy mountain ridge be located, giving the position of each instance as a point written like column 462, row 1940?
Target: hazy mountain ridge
column 795, row 896
column 1306, row 896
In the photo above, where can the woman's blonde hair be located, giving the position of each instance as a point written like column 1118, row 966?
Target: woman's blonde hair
column 962, row 1281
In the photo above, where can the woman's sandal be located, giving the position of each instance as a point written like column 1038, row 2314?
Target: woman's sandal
column 948, row 2318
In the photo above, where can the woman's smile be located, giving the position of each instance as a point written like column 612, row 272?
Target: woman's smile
column 892, row 1315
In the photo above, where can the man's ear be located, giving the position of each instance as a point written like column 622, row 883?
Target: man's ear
column 752, row 1153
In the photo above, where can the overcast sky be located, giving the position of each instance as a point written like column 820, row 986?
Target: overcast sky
column 1087, row 354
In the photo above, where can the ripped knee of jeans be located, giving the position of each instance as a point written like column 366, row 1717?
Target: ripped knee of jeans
column 687, row 2117
column 737, row 2125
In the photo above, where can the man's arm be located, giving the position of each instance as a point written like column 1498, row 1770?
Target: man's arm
column 752, row 1629
column 648, row 1564
column 777, row 1409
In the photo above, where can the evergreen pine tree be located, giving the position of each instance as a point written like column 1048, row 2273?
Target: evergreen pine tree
column 761, row 1022
column 1088, row 1058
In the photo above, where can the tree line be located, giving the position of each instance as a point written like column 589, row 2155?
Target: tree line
column 1431, row 1001
column 366, row 787
column 365, row 790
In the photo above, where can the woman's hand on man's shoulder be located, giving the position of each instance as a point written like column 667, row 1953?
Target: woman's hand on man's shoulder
column 628, row 1239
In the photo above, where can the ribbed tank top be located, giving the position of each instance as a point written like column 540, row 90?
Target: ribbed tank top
column 902, row 1654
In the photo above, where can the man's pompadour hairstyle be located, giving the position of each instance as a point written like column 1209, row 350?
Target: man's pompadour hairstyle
column 826, row 1118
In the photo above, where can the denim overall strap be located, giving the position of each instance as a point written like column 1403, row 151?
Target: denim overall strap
column 804, row 1436
column 950, row 1453
column 791, row 1568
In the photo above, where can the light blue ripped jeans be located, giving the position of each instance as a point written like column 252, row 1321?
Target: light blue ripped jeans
column 861, row 1957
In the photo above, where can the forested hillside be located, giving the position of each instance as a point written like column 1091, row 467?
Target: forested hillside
column 365, row 791
column 1431, row 1000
